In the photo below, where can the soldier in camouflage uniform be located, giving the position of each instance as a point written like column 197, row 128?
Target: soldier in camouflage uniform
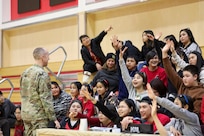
column 36, row 98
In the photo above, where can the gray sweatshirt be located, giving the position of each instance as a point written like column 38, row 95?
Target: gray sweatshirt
column 190, row 121
column 133, row 94
column 182, row 64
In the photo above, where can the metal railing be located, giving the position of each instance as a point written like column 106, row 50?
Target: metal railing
column 61, row 66
column 55, row 75
column 12, row 87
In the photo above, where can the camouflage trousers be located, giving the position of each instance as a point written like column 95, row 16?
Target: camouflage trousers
column 31, row 126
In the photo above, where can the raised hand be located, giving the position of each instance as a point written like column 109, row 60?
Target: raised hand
column 154, row 108
column 108, row 29
column 73, row 114
column 158, row 35
column 150, row 37
column 150, row 92
column 86, row 94
column 114, row 40
column 166, row 48
column 122, row 52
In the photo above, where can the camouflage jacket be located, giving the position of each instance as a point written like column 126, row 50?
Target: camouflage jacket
column 36, row 96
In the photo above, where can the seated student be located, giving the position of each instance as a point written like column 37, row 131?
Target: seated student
column 153, row 70
column 125, row 108
column 131, row 56
column 19, row 126
column 75, row 88
column 105, row 96
column 187, row 41
column 4, row 124
column 131, row 64
column 194, row 58
column 88, row 107
column 146, row 118
column 186, row 121
column 160, row 128
column 136, row 86
column 109, row 72
column 151, row 42
column 9, row 109
column 92, row 53
column 187, row 85
column 61, row 100
column 181, row 53
column 101, row 120
column 160, row 90
column 70, row 122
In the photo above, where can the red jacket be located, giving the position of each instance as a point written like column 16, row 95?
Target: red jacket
column 19, row 129
column 159, row 72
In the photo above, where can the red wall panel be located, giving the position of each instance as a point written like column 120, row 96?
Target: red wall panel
column 44, row 7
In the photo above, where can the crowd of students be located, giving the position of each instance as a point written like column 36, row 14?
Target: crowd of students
column 174, row 70
column 161, row 85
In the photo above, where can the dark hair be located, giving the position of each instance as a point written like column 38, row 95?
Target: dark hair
column 18, row 122
column 104, row 82
column 149, row 42
column 173, row 38
column 1, row 93
column 89, row 88
column 150, row 55
column 76, row 100
column 133, row 57
column 159, row 86
column 144, row 77
column 111, row 108
column 193, row 70
column 200, row 61
column 185, row 99
column 189, row 33
column 18, row 107
column 131, row 104
column 147, row 100
column 56, row 84
column 82, row 36
column 149, row 32
column 77, row 84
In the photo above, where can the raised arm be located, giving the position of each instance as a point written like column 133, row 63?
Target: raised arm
column 99, row 38
column 112, row 116
column 124, row 71
column 171, row 73
column 177, row 59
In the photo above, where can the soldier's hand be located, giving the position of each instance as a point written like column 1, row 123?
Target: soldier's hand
column 57, row 124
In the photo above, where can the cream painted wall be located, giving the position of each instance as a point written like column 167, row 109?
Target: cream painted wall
column 19, row 43
column 166, row 16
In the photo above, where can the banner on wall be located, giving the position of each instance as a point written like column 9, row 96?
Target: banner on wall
column 26, row 8
column 28, row 5
column 56, row 2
